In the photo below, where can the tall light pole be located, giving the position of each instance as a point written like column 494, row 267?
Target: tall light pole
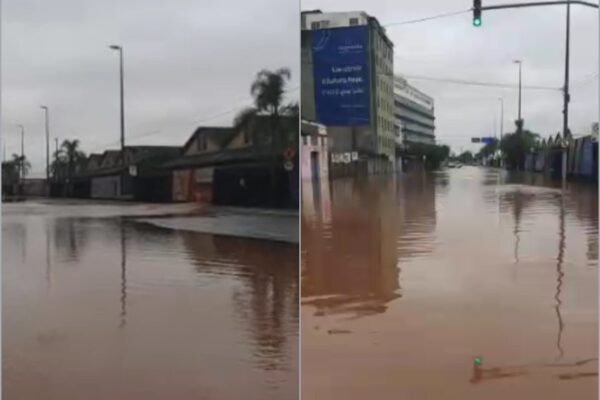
column 22, row 151
column 519, row 120
column 120, row 50
column 45, row 108
column 501, row 100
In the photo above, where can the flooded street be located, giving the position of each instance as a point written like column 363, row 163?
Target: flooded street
column 405, row 282
column 97, row 306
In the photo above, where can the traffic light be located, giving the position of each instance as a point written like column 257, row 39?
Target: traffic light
column 476, row 12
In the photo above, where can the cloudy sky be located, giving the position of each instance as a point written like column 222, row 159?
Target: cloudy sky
column 452, row 48
column 187, row 62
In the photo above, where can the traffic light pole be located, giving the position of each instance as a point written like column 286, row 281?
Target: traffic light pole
column 566, row 98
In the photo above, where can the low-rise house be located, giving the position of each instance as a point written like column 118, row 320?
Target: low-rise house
column 139, row 178
column 242, row 167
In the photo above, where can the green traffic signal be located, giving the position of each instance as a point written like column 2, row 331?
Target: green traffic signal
column 476, row 12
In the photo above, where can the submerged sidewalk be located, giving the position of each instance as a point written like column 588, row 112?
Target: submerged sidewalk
column 276, row 225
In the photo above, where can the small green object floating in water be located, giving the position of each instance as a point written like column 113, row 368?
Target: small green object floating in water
column 477, row 361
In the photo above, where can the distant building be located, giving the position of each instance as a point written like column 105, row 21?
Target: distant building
column 140, row 177
column 414, row 114
column 347, row 84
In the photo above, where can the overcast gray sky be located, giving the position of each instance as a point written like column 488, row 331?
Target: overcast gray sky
column 452, row 48
column 186, row 61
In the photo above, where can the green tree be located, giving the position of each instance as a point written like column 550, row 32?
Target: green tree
column 515, row 147
column 72, row 155
column 434, row 155
column 21, row 164
column 489, row 149
column 58, row 166
column 466, row 157
column 268, row 91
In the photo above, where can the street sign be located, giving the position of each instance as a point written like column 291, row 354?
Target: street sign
column 475, row 140
column 288, row 165
column 487, row 140
column 133, row 170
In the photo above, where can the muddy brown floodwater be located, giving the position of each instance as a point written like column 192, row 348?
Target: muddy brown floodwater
column 96, row 306
column 405, row 282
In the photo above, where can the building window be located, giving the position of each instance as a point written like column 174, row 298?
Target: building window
column 314, row 25
column 324, row 24
column 304, row 140
column 353, row 21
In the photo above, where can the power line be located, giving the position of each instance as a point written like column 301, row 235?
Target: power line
column 414, row 21
column 197, row 122
column 476, row 83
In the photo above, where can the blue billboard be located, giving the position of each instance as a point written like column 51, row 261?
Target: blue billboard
column 341, row 73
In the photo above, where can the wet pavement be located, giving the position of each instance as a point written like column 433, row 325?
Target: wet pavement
column 276, row 225
column 97, row 306
column 406, row 283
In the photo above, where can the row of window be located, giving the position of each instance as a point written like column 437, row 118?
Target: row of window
column 314, row 141
column 384, row 124
column 385, row 48
column 324, row 24
column 386, row 143
column 319, row 25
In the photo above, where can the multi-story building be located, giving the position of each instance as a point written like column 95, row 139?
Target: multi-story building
column 347, row 84
column 414, row 114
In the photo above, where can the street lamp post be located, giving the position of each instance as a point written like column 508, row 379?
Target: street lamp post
column 501, row 100
column 519, row 120
column 45, row 108
column 22, row 151
column 120, row 50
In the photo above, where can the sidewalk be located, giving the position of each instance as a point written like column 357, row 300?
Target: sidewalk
column 276, row 225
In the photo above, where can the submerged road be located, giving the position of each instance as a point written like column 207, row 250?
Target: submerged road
column 99, row 306
column 405, row 282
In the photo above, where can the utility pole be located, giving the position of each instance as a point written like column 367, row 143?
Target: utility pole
column 122, row 98
column 45, row 108
column 566, row 96
column 22, row 151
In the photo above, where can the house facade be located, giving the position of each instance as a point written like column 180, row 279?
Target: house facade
column 241, row 167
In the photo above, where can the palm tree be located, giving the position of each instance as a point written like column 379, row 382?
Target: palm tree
column 58, row 167
column 268, row 90
column 72, row 156
column 22, row 165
